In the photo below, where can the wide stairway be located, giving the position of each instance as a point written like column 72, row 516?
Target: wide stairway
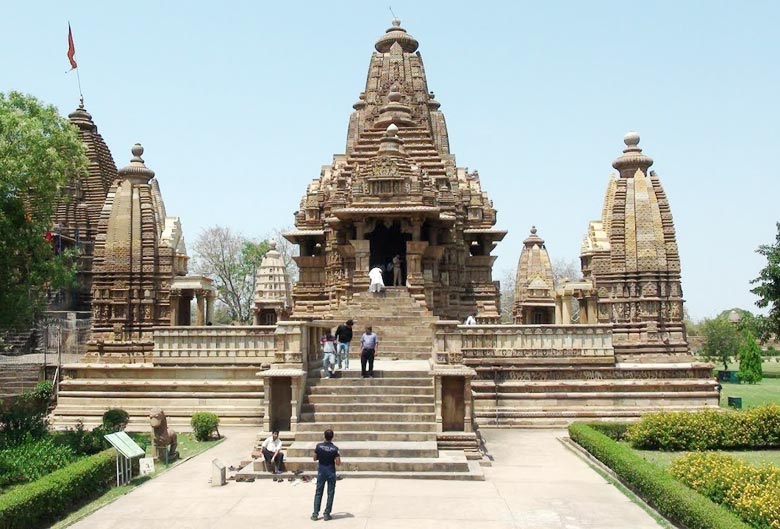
column 404, row 326
column 15, row 379
column 384, row 426
column 234, row 393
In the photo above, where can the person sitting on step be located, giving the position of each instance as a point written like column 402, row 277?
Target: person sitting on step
column 272, row 453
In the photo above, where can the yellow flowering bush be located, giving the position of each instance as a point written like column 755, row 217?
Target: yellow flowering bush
column 708, row 430
column 753, row 492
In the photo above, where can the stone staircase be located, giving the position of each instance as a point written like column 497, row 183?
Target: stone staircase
column 404, row 326
column 234, row 393
column 385, row 426
column 15, row 342
column 15, row 379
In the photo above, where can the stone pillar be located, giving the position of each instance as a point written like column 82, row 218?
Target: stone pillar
column 174, row 302
column 558, row 311
column 593, row 316
column 467, row 426
column 362, row 248
column 211, row 298
column 566, row 310
column 584, row 316
column 200, row 299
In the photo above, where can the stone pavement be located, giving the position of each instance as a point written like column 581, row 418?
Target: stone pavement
column 534, row 483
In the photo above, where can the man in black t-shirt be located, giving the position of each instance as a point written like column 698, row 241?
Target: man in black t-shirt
column 327, row 454
column 343, row 337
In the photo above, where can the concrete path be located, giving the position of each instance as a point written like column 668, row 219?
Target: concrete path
column 534, row 483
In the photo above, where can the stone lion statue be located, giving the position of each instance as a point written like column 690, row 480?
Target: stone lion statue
column 162, row 436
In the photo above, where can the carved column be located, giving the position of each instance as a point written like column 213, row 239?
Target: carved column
column 414, row 277
column 566, row 310
column 200, row 299
column 211, row 299
column 174, row 302
column 362, row 248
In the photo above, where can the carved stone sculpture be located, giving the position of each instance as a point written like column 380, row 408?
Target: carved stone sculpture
column 162, row 436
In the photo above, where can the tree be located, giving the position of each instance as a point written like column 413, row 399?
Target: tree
column 749, row 360
column 231, row 260
column 40, row 152
column 507, row 294
column 565, row 269
column 768, row 284
column 721, row 340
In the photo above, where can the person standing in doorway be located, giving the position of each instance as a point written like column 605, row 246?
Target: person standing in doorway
column 327, row 455
column 343, row 338
column 368, row 345
column 397, row 271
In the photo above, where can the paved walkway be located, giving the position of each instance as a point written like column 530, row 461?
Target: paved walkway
column 534, row 483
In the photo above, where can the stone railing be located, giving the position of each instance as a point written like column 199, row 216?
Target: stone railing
column 455, row 343
column 214, row 345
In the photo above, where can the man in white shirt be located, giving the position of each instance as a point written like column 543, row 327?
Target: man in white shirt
column 471, row 320
column 272, row 452
column 377, row 282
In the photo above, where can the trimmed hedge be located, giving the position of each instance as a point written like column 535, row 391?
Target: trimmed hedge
column 41, row 502
column 756, row 428
column 667, row 495
column 753, row 492
column 203, row 424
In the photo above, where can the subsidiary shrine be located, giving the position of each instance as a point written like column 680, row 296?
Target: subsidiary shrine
column 610, row 345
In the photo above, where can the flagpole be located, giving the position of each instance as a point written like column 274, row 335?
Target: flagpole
column 73, row 64
column 81, row 95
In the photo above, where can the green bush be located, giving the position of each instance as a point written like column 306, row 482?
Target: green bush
column 753, row 492
column 41, row 502
column 115, row 420
column 749, row 360
column 668, row 496
column 81, row 441
column 203, row 424
column 26, row 415
column 614, row 430
column 32, row 460
column 756, row 428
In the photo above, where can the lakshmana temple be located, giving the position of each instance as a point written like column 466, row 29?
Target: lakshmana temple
column 609, row 345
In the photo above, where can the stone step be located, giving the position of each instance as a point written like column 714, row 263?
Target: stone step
column 193, row 394
column 339, row 398
column 136, row 410
column 173, row 386
column 366, row 416
column 368, row 426
column 446, row 462
column 361, row 404
column 391, row 436
column 374, row 449
column 149, row 372
column 353, row 378
column 357, row 390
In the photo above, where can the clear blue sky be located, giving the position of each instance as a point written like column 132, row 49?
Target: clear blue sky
column 239, row 104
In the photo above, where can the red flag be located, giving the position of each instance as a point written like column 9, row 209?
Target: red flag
column 71, row 50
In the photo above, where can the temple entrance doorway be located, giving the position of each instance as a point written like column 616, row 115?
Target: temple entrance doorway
column 386, row 243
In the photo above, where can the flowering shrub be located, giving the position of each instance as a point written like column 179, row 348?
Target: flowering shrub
column 753, row 492
column 708, row 430
column 656, row 486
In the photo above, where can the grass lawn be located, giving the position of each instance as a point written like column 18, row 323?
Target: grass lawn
column 187, row 448
column 765, row 392
column 755, row 457
column 771, row 368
